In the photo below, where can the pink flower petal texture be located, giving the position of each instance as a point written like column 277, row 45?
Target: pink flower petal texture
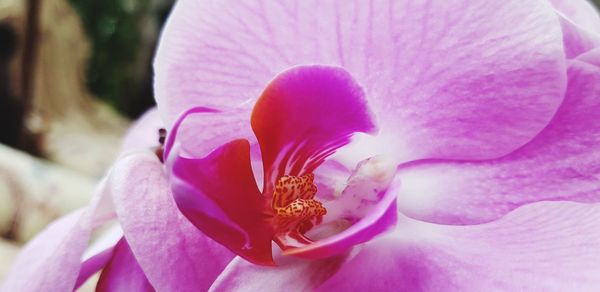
column 561, row 163
column 592, row 57
column 218, row 194
column 144, row 133
column 93, row 265
column 545, row 246
column 170, row 250
column 174, row 132
column 581, row 12
column 291, row 274
column 303, row 116
column 123, row 273
column 438, row 82
column 199, row 134
column 580, row 23
column 576, row 39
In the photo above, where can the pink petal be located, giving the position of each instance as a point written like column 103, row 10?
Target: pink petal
column 93, row 265
column 123, row 273
column 591, row 57
column 561, row 163
column 173, row 254
column 51, row 261
column 303, row 116
column 439, row 75
column 143, row 134
column 200, row 130
column 218, row 194
column 174, row 131
column 576, row 40
column 290, row 275
column 548, row 246
column 581, row 12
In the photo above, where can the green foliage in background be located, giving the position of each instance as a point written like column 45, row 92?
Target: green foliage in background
column 113, row 27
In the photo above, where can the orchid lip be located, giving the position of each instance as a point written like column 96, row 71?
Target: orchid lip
column 304, row 115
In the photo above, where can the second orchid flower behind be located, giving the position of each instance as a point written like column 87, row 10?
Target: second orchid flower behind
column 303, row 116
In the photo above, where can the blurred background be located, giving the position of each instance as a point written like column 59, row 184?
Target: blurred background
column 73, row 75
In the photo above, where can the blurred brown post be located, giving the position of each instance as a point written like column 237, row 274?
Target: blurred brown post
column 29, row 51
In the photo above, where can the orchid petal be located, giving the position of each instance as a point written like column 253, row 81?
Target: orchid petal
column 172, row 136
column 561, row 163
column 200, row 130
column 218, row 194
column 577, row 40
column 173, row 254
column 438, row 82
column 144, row 133
column 546, row 246
column 290, row 274
column 592, row 57
column 581, row 12
column 123, row 273
column 303, row 116
column 93, row 265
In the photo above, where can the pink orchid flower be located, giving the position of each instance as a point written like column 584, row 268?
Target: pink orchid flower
column 382, row 145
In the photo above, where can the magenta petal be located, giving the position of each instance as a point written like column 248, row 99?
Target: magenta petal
column 173, row 254
column 438, row 81
column 291, row 274
column 548, row 246
column 303, row 116
column 561, row 163
column 52, row 259
column 94, row 264
column 123, row 273
column 218, row 194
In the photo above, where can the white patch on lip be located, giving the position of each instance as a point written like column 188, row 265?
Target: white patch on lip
column 363, row 190
column 325, row 230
